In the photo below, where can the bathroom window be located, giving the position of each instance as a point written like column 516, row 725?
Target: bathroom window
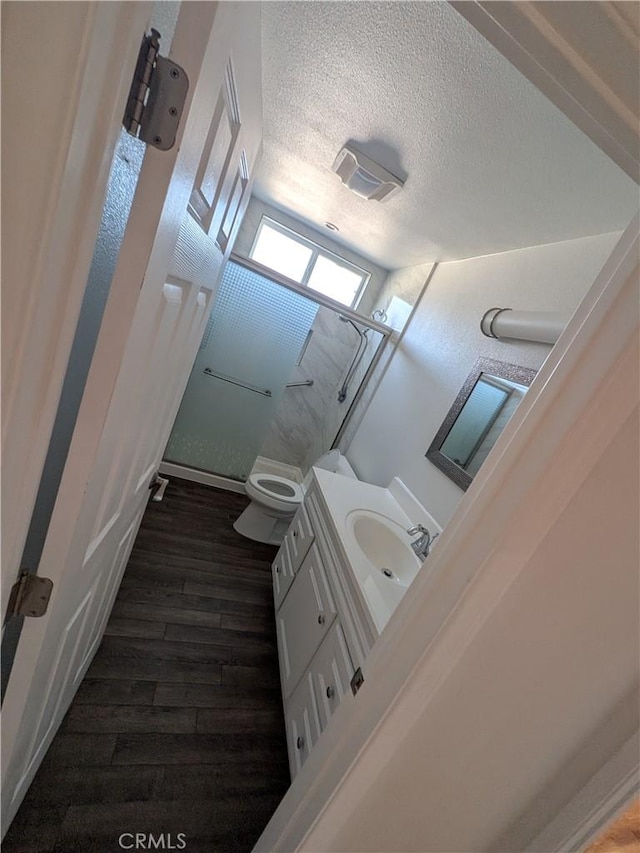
column 307, row 263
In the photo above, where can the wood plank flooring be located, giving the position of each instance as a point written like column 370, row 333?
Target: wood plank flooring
column 178, row 725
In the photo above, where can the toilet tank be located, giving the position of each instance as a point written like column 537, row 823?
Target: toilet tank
column 332, row 461
column 345, row 469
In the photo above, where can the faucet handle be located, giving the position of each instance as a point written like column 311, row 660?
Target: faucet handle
column 417, row 528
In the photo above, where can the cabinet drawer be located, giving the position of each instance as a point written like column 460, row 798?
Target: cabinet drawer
column 331, row 672
column 283, row 574
column 303, row 725
column 299, row 537
column 303, row 620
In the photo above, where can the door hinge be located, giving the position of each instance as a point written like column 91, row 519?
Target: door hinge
column 156, row 97
column 357, row 681
column 30, row 595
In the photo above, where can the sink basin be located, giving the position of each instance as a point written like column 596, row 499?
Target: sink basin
column 385, row 544
column 370, row 525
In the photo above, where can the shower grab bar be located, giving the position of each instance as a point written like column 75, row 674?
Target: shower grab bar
column 307, row 384
column 264, row 391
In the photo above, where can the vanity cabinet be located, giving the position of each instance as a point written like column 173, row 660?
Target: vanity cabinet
column 323, row 634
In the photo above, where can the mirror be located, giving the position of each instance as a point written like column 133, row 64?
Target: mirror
column 488, row 398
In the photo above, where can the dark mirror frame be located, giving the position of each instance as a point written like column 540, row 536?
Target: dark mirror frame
column 500, row 369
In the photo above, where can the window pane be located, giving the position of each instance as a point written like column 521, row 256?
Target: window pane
column 335, row 281
column 281, row 253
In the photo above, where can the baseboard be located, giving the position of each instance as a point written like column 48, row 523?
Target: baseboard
column 170, row 469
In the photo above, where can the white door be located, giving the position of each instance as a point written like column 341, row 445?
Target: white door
column 54, row 177
column 185, row 214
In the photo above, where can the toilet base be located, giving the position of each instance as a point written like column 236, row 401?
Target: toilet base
column 260, row 525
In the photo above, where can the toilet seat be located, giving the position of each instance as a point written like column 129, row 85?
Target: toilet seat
column 274, row 491
column 274, row 500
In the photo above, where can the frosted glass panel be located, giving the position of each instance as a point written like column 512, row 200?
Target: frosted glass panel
column 253, row 339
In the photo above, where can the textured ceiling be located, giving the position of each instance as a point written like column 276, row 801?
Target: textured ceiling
column 491, row 165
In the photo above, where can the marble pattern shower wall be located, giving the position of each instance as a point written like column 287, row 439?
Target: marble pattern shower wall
column 308, row 417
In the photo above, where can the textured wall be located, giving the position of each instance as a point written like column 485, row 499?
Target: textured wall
column 405, row 284
column 492, row 164
column 441, row 344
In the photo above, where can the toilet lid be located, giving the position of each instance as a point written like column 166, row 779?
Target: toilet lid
column 277, row 487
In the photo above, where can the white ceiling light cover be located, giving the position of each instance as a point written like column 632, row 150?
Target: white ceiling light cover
column 364, row 176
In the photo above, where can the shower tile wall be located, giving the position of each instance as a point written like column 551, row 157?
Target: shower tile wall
column 308, row 418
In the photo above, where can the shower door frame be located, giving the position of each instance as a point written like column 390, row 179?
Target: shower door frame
column 313, row 295
column 179, row 469
column 339, row 308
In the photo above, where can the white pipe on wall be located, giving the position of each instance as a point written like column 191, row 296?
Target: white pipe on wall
column 540, row 326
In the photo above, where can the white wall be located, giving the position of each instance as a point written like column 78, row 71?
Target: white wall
column 442, row 342
column 405, row 284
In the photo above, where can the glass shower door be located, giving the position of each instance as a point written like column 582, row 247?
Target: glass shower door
column 254, row 337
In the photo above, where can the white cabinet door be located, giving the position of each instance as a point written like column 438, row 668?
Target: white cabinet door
column 303, row 725
column 331, row 672
column 303, row 620
column 283, row 574
column 299, row 537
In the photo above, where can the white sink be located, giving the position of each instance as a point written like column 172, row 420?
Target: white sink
column 371, row 525
column 385, row 544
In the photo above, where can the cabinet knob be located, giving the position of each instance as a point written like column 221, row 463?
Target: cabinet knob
column 330, row 692
column 320, row 618
column 277, row 570
column 300, row 743
column 294, row 533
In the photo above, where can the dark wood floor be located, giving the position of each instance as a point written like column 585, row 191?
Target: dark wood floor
column 178, row 724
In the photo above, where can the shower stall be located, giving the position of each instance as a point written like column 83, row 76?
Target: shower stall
column 278, row 370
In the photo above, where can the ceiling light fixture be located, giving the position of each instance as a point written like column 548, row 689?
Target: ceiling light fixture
column 364, row 176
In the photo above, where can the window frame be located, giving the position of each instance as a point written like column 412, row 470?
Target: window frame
column 316, row 251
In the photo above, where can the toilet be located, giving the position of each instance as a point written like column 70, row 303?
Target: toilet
column 275, row 499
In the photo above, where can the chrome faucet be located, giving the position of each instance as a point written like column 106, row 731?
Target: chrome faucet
column 423, row 543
